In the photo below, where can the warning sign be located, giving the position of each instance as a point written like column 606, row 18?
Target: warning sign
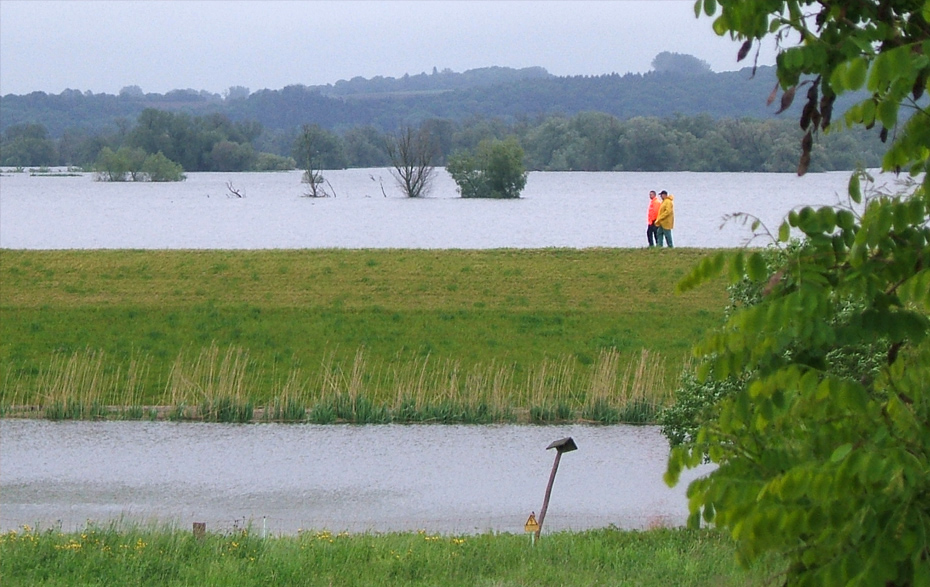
column 531, row 524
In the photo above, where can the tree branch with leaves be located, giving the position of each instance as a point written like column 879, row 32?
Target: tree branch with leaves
column 826, row 467
column 311, row 150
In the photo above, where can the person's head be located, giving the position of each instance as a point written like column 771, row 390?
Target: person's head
column 652, row 194
column 662, row 194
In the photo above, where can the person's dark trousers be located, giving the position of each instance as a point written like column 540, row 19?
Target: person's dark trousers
column 666, row 234
column 651, row 234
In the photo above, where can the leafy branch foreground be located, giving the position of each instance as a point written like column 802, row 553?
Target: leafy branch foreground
column 139, row 556
column 818, row 460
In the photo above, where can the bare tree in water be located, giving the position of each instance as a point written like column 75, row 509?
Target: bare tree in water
column 413, row 153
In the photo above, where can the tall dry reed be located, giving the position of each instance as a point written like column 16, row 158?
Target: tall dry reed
column 83, row 385
column 217, row 384
column 634, row 397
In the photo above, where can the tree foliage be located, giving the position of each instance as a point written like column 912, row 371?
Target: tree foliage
column 157, row 167
column 587, row 141
column 27, row 144
column 204, row 143
column 826, row 465
column 134, row 164
column 666, row 62
column 494, row 170
column 316, row 149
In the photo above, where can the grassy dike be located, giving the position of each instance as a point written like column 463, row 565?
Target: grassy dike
column 348, row 335
column 171, row 557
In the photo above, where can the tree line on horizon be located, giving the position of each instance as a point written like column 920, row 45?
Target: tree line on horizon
column 588, row 141
column 681, row 116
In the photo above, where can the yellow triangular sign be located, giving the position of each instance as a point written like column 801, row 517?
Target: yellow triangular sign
column 531, row 524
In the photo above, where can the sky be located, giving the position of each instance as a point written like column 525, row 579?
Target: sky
column 103, row 46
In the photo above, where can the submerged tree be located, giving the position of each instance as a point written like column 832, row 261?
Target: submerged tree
column 413, row 154
column 159, row 168
column 830, row 467
column 133, row 164
column 311, row 151
column 494, row 170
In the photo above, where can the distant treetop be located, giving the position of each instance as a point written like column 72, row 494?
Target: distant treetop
column 666, row 62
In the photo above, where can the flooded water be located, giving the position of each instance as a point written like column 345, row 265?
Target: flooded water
column 284, row 478
column 557, row 209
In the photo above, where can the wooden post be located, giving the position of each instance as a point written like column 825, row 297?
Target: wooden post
column 560, row 446
column 545, row 506
column 200, row 530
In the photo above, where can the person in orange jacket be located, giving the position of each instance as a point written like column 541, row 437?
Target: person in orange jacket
column 651, row 215
column 665, row 221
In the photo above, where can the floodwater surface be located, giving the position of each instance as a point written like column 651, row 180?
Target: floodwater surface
column 557, row 209
column 284, row 478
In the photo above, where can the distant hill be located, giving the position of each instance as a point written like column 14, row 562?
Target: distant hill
column 387, row 103
column 438, row 81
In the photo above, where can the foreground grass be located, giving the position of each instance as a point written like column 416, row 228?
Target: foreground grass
column 357, row 335
column 107, row 556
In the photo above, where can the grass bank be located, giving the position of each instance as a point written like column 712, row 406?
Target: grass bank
column 353, row 335
column 107, row 556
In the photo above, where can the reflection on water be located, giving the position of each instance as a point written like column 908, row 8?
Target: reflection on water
column 558, row 209
column 449, row 479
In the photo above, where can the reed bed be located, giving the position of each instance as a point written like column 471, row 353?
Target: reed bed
column 84, row 385
column 218, row 385
column 214, row 388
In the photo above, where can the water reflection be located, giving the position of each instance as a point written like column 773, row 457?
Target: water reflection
column 449, row 479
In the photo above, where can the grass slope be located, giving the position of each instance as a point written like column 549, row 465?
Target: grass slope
column 160, row 327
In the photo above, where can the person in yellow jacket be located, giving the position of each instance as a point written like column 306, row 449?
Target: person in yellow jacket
column 665, row 221
column 651, row 214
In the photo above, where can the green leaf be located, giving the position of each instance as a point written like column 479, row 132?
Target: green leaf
column 855, row 74
column 888, row 113
column 737, row 267
column 916, row 290
column 855, row 189
column 707, row 269
column 784, row 232
column 880, row 73
column 757, row 269
column 710, row 7
column 840, row 453
column 827, row 218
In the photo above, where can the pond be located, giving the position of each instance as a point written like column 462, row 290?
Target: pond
column 557, row 209
column 285, row 478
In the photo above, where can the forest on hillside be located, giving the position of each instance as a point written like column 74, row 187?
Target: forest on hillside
column 681, row 116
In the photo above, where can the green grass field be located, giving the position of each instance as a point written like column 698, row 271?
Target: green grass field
column 355, row 335
column 105, row 556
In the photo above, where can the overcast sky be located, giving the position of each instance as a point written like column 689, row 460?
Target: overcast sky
column 212, row 45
